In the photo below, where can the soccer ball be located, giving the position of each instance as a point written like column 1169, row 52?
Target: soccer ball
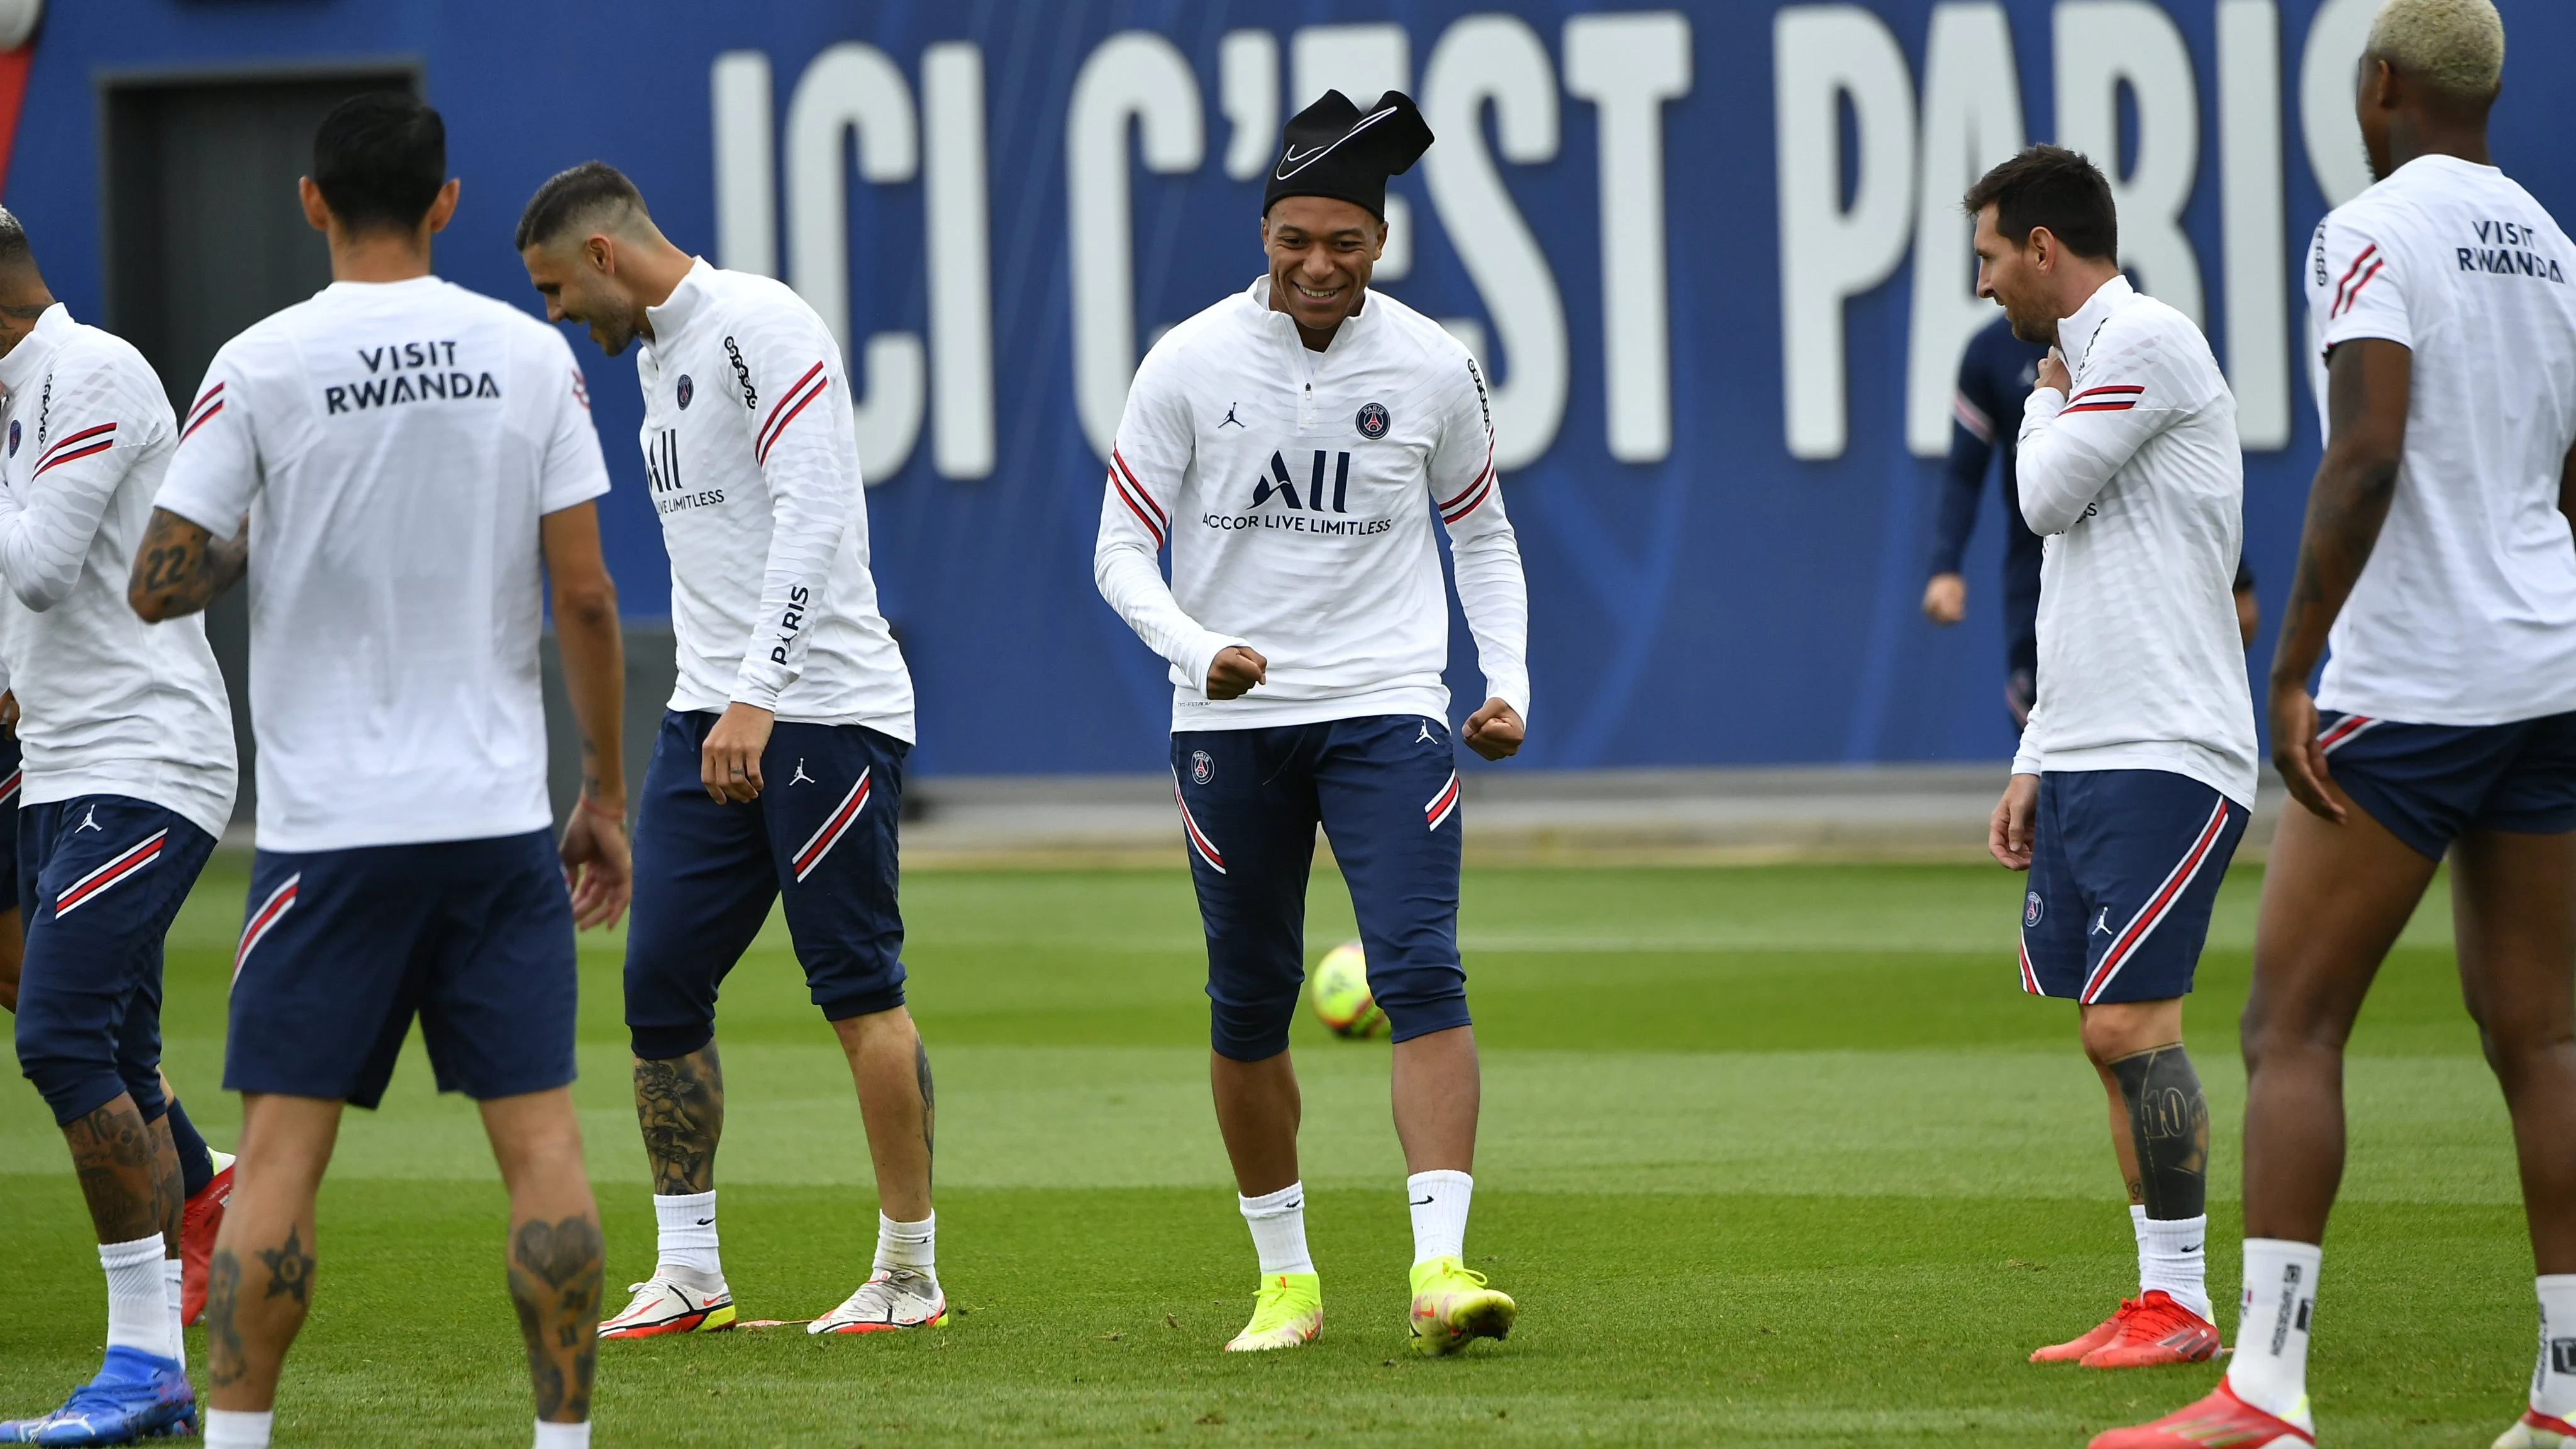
column 1339, row 988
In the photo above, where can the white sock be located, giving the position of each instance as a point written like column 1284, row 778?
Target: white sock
column 688, row 1232
column 2173, row 1254
column 1439, row 1202
column 138, row 1305
column 1278, row 1223
column 563, row 1436
column 2270, row 1370
column 2553, row 1383
column 171, row 1272
column 908, row 1245
column 238, row 1428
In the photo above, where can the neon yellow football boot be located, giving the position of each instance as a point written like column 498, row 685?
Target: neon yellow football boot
column 1452, row 1307
column 1287, row 1313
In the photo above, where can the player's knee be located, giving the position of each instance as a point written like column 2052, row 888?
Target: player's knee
column 1250, row 1031
column 72, row 1084
column 661, row 1043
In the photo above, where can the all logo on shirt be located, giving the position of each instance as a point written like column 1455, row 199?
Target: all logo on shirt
column 1372, row 421
column 1280, row 501
column 688, row 390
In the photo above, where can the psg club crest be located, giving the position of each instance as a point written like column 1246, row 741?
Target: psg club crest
column 2031, row 910
column 1202, row 769
column 688, row 390
column 1373, row 421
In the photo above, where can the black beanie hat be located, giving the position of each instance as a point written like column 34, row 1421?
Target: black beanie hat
column 1332, row 149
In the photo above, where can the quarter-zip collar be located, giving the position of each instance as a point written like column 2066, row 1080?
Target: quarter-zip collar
column 35, row 349
column 682, row 306
column 2075, row 335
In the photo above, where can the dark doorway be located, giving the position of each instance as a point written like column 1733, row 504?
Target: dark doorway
column 205, row 237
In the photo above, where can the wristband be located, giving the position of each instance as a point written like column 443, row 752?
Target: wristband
column 595, row 808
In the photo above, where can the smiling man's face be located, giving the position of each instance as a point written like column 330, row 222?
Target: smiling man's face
column 1321, row 253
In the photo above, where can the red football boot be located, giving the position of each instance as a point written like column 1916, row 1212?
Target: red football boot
column 2154, row 1330
column 199, row 1221
column 2221, row 1421
column 2074, row 1349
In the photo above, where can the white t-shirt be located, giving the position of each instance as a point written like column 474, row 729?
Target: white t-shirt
column 2466, row 612
column 754, row 461
column 1296, row 491
column 109, row 705
column 393, row 445
column 2137, row 483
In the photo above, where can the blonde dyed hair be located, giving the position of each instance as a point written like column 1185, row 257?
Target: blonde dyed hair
column 2458, row 45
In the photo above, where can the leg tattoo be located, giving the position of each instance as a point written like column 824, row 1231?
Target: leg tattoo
column 929, row 1098
column 224, row 1365
column 680, row 1103
column 555, row 1273
column 112, row 1152
column 169, row 1182
column 290, row 1270
column 2169, row 1123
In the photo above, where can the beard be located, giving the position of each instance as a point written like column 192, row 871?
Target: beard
column 614, row 334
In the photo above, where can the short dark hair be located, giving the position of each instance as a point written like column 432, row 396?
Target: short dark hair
column 576, row 194
column 2056, row 188
column 15, row 250
column 380, row 159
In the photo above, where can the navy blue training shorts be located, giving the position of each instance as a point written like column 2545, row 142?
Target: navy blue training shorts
column 1385, row 789
column 340, row 949
column 2124, row 868
column 822, row 835
column 2428, row 783
column 100, row 878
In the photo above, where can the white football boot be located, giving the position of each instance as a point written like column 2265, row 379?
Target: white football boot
column 673, row 1300
column 892, row 1298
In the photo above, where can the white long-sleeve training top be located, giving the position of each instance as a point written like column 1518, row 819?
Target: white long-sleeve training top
column 1296, row 490
column 2137, row 482
column 754, row 462
column 109, row 705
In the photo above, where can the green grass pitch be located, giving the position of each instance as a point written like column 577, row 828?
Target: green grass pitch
column 1771, row 1156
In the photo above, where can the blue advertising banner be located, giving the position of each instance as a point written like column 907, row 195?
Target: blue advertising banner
column 1711, row 253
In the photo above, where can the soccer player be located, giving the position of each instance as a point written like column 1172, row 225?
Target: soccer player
column 1289, row 444
column 779, row 769
column 127, row 780
column 2136, row 773
column 1995, row 375
column 406, row 456
column 2437, row 563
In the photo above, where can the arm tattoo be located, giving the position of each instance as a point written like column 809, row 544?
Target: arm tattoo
column 555, row 1274
column 290, row 1270
column 2169, row 1124
column 224, row 1360
column 680, row 1103
column 119, row 1172
column 180, row 568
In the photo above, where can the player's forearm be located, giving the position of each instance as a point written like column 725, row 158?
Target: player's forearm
column 810, row 517
column 2347, row 506
column 1135, row 590
column 2058, row 478
column 181, row 567
column 594, row 660
column 2369, row 384
column 1495, row 597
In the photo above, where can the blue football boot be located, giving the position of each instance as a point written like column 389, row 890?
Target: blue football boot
column 135, row 1396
